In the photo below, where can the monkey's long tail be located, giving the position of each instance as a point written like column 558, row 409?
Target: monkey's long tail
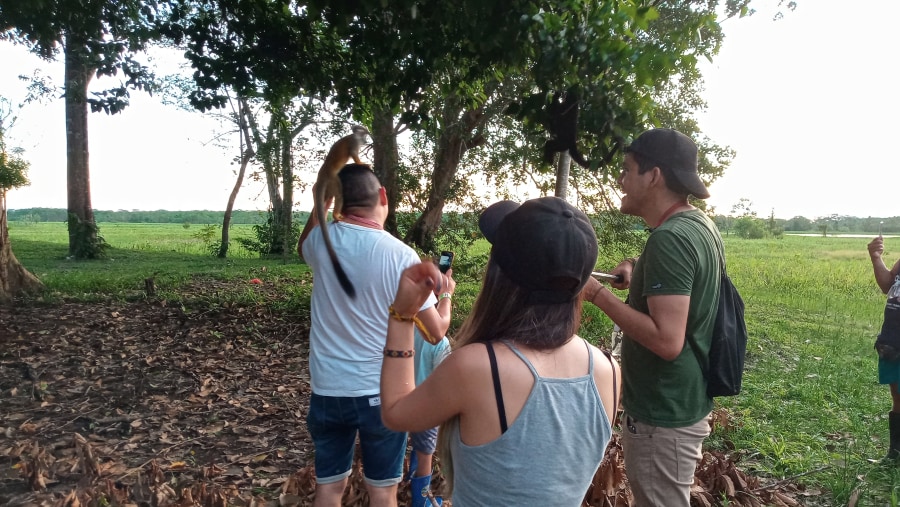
column 342, row 277
column 341, row 274
column 579, row 158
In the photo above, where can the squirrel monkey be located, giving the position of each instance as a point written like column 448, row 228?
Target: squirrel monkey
column 328, row 186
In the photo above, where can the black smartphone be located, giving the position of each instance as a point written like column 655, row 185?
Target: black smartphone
column 445, row 261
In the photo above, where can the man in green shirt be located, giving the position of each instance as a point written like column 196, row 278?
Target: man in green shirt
column 674, row 293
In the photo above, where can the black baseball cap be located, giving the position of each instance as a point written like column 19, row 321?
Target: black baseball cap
column 544, row 245
column 675, row 151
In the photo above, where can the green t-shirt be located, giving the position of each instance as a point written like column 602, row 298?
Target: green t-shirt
column 681, row 257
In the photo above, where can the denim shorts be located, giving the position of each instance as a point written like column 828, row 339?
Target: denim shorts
column 334, row 423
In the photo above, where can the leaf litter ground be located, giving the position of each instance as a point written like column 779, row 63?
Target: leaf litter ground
column 151, row 404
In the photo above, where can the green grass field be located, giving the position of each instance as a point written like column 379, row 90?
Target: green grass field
column 811, row 410
column 811, row 402
column 171, row 253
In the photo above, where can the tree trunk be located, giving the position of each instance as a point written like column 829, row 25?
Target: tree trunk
column 287, row 190
column 386, row 156
column 271, row 153
column 84, row 240
column 452, row 145
column 274, row 152
column 246, row 154
column 268, row 152
column 14, row 278
column 563, row 164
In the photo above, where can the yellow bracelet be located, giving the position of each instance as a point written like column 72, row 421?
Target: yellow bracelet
column 396, row 315
column 414, row 319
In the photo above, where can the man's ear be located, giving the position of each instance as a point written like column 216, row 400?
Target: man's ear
column 657, row 177
column 382, row 196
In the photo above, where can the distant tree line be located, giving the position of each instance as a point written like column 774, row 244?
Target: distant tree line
column 34, row 215
column 752, row 227
column 834, row 223
column 843, row 223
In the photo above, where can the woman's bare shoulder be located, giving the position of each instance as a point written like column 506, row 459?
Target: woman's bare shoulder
column 468, row 358
column 603, row 361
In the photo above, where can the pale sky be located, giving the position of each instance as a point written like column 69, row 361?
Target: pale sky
column 806, row 101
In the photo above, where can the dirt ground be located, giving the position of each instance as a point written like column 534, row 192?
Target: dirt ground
column 152, row 404
column 114, row 390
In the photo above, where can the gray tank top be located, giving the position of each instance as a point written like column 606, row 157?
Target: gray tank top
column 549, row 454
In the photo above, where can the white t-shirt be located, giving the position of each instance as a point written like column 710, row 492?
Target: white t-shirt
column 346, row 335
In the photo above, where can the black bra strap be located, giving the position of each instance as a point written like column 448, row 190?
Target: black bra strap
column 495, row 374
column 615, row 390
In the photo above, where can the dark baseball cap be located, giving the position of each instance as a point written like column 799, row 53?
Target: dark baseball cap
column 544, row 245
column 675, row 151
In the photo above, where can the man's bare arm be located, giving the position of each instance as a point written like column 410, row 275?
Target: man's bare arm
column 662, row 331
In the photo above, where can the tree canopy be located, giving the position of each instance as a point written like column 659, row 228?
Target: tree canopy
column 13, row 168
column 106, row 34
column 477, row 77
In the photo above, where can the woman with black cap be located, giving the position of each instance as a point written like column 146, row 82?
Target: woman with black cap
column 526, row 404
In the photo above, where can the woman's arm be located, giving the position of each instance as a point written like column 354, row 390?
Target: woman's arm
column 436, row 319
column 883, row 276
column 403, row 406
column 408, row 408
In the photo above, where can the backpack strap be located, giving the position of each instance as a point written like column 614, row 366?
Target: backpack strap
column 498, row 394
column 721, row 251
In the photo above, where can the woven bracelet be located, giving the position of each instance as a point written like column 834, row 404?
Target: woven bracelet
column 399, row 353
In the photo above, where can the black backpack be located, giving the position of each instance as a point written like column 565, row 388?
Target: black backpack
column 729, row 340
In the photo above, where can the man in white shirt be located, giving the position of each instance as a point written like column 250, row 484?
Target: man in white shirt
column 347, row 337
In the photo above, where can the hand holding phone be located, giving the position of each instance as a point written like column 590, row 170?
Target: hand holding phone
column 445, row 261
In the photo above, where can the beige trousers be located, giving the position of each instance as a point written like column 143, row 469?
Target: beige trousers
column 660, row 462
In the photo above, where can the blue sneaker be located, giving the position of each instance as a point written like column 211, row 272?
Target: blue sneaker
column 420, row 492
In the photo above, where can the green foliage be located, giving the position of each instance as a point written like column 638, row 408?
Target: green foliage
column 772, row 227
column 89, row 244
column 800, row 224
column 618, row 237
column 749, row 227
column 209, row 235
column 267, row 239
column 378, row 56
column 450, row 68
column 13, row 169
column 458, row 233
column 102, row 36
